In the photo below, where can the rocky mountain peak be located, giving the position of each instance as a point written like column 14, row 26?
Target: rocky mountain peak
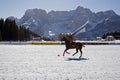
column 106, row 14
column 83, row 10
column 13, row 18
column 56, row 22
column 34, row 12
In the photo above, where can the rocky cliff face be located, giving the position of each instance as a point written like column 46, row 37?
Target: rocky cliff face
column 34, row 19
column 107, row 25
column 55, row 22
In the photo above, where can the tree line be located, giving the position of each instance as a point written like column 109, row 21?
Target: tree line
column 10, row 31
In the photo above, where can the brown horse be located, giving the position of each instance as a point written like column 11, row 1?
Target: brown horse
column 72, row 45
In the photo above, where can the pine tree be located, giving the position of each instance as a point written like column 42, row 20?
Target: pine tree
column 9, row 31
column 1, row 28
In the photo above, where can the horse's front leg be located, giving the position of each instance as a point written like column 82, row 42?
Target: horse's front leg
column 65, row 51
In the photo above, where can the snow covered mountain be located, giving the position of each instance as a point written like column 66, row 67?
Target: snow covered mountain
column 13, row 18
column 34, row 19
column 55, row 22
column 108, row 25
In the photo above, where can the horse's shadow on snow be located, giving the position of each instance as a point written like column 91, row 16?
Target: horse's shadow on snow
column 77, row 59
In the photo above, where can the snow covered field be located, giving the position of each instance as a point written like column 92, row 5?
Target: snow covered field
column 41, row 62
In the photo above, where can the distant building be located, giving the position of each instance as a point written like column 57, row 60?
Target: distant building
column 110, row 38
column 98, row 38
column 36, row 38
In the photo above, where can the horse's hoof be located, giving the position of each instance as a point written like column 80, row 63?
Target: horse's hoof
column 80, row 56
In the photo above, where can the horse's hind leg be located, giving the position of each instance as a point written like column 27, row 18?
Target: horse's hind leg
column 81, row 53
column 65, row 51
column 75, row 52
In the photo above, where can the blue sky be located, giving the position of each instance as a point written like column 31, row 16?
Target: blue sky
column 17, row 8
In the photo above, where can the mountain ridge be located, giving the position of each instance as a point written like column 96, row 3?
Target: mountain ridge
column 56, row 22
